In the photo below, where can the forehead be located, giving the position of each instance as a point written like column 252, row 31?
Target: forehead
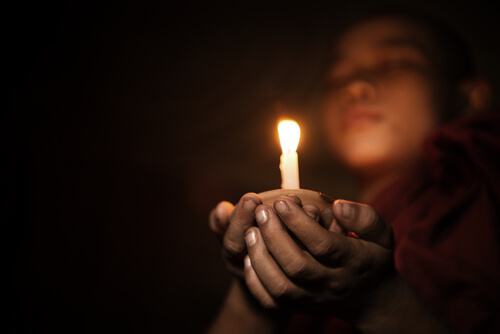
column 379, row 34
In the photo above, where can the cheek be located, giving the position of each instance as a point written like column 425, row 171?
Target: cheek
column 331, row 124
column 408, row 118
column 413, row 115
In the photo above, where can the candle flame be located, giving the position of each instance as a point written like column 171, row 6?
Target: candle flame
column 289, row 133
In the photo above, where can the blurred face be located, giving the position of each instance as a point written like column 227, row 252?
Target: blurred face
column 380, row 105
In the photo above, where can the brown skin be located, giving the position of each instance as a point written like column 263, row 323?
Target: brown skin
column 380, row 105
column 379, row 109
column 334, row 275
column 326, row 277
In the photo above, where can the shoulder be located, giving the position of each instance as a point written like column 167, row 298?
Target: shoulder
column 465, row 150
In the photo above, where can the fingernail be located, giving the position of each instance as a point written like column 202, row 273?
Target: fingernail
column 216, row 215
column 248, row 262
column 313, row 215
column 295, row 199
column 348, row 209
column 261, row 216
column 281, row 207
column 249, row 205
column 221, row 211
column 250, row 238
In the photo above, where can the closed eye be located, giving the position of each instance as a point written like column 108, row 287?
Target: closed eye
column 399, row 64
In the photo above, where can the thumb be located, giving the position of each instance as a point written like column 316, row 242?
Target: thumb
column 218, row 219
column 364, row 221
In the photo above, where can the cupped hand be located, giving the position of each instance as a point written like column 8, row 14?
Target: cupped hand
column 230, row 223
column 326, row 272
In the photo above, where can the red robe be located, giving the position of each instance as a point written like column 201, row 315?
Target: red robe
column 446, row 222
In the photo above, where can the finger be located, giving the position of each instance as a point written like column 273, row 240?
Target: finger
column 242, row 217
column 273, row 279
column 218, row 220
column 255, row 286
column 312, row 211
column 295, row 262
column 320, row 242
column 364, row 221
column 315, row 213
column 295, row 198
column 337, row 228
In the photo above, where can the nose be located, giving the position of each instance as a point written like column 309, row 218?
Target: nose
column 358, row 90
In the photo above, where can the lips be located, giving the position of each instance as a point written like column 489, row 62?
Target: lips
column 358, row 119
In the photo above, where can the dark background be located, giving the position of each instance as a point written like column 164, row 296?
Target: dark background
column 125, row 123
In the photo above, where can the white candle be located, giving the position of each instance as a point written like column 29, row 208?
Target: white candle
column 289, row 133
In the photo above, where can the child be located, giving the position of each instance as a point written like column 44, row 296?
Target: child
column 405, row 112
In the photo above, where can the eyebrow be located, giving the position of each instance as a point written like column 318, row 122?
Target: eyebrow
column 404, row 42
column 391, row 42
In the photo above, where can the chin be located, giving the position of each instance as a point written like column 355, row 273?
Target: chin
column 365, row 160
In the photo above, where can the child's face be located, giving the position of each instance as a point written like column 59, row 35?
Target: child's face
column 380, row 97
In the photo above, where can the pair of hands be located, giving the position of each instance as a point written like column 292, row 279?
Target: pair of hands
column 291, row 261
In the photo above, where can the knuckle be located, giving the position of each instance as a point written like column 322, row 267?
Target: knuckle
column 280, row 289
column 241, row 221
column 296, row 268
column 231, row 248
column 322, row 248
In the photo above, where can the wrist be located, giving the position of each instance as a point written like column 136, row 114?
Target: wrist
column 242, row 313
column 274, row 318
column 395, row 308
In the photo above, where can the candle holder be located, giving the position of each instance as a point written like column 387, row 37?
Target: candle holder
column 320, row 200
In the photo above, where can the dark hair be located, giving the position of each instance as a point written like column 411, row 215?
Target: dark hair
column 451, row 57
